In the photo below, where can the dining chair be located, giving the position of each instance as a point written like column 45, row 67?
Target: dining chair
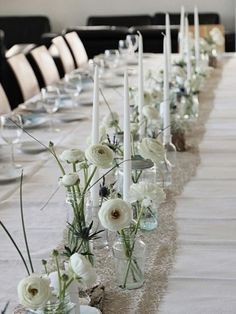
column 25, row 76
column 64, row 53
column 4, row 103
column 77, row 48
column 46, row 65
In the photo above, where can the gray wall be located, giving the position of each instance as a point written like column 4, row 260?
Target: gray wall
column 74, row 12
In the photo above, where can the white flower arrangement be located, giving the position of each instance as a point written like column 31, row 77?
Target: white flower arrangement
column 70, row 179
column 217, row 36
column 115, row 214
column 100, row 156
column 146, row 191
column 72, row 156
column 81, row 269
column 152, row 149
column 34, row 291
column 150, row 112
column 111, row 120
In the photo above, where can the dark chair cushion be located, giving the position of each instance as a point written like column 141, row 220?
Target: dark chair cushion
column 96, row 39
column 204, row 18
column 153, row 37
column 122, row 20
column 230, row 42
column 23, row 29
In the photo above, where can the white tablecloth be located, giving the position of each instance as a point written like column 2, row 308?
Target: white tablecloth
column 203, row 279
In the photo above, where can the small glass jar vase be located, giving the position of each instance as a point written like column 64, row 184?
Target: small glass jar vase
column 149, row 214
column 142, row 170
column 188, row 107
column 129, row 259
column 57, row 307
column 163, row 173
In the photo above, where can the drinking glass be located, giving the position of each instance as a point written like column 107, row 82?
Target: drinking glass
column 132, row 41
column 73, row 86
column 124, row 47
column 51, row 102
column 11, row 131
column 112, row 58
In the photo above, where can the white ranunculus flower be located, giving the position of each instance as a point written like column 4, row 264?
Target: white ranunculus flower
column 72, row 156
column 217, row 36
column 150, row 113
column 99, row 155
column 34, row 291
column 81, row 269
column 115, row 214
column 111, row 120
column 152, row 149
column 70, row 179
column 145, row 190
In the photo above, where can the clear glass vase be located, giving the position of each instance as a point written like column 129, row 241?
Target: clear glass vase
column 57, row 307
column 163, row 173
column 142, row 170
column 188, row 107
column 129, row 259
column 149, row 217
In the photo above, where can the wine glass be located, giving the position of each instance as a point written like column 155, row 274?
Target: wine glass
column 132, row 41
column 51, row 101
column 112, row 58
column 124, row 47
column 11, row 131
column 73, row 86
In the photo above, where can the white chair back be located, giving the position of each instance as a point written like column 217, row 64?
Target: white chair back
column 46, row 65
column 25, row 76
column 77, row 48
column 64, row 53
column 4, row 103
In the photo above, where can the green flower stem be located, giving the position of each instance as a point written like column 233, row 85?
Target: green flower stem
column 23, row 224
column 59, row 277
column 52, row 150
column 16, row 246
column 140, row 210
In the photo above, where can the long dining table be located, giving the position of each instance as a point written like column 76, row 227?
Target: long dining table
column 191, row 257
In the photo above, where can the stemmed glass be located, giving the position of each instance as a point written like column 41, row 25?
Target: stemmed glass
column 112, row 58
column 132, row 41
column 11, row 131
column 51, row 102
column 73, row 86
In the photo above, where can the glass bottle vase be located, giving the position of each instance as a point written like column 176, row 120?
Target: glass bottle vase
column 57, row 307
column 129, row 259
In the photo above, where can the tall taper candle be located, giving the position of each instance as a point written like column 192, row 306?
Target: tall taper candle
column 95, row 135
column 127, row 144
column 187, row 47
column 140, row 85
column 166, row 100
column 181, row 33
column 196, row 36
column 168, row 39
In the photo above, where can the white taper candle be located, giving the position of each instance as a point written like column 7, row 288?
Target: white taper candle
column 140, row 85
column 181, row 33
column 95, row 136
column 127, row 144
column 196, row 36
column 168, row 38
column 187, row 47
column 166, row 93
